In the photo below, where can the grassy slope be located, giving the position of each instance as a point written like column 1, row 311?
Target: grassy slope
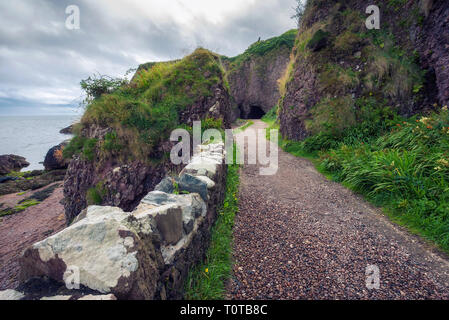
column 143, row 113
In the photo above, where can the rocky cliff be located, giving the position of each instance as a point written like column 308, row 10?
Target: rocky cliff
column 121, row 148
column 341, row 72
column 253, row 76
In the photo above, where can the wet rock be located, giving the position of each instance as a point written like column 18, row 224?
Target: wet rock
column 31, row 181
column 6, row 179
column 12, row 162
column 54, row 159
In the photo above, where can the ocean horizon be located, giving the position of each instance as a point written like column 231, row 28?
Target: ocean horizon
column 31, row 136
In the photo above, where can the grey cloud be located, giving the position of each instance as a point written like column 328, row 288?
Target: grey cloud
column 41, row 62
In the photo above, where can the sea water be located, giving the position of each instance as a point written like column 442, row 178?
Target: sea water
column 32, row 136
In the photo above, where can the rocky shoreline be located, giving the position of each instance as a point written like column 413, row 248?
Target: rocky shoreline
column 31, row 207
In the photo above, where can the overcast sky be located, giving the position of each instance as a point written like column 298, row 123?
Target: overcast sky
column 42, row 62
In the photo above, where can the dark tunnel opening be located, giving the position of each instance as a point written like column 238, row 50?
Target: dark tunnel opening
column 255, row 112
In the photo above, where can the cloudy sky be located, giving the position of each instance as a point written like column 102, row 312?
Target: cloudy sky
column 42, row 62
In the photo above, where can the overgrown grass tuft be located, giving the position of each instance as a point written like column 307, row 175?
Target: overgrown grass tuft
column 207, row 280
column 248, row 124
column 401, row 165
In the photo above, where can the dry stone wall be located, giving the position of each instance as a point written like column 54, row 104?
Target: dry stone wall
column 144, row 254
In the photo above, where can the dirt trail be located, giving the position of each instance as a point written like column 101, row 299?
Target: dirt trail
column 300, row 236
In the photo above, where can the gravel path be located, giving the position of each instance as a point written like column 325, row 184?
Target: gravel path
column 21, row 230
column 300, row 236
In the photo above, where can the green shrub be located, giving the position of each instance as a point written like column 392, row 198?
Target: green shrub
column 319, row 37
column 95, row 195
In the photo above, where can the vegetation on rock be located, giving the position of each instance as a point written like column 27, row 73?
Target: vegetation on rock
column 360, row 106
column 139, row 115
column 263, row 47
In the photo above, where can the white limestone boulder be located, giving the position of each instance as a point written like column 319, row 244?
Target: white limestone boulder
column 101, row 252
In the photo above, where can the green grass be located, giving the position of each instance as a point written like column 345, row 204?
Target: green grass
column 96, row 194
column 264, row 47
column 402, row 166
column 207, row 280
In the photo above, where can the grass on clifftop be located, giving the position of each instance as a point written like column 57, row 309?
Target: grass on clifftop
column 141, row 114
column 207, row 280
column 263, row 47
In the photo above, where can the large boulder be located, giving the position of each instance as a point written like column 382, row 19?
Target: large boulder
column 67, row 130
column 10, row 162
column 106, row 250
column 54, row 159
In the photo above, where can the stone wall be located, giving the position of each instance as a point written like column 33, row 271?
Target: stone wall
column 144, row 254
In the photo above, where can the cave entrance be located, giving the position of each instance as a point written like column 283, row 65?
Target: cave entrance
column 254, row 112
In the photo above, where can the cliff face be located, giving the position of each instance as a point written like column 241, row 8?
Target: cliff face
column 255, row 82
column 121, row 150
column 340, row 70
column 433, row 45
column 253, row 76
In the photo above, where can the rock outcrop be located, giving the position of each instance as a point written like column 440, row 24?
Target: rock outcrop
column 31, row 181
column 54, row 159
column 10, row 162
column 253, row 76
column 143, row 254
column 339, row 66
column 67, row 130
column 118, row 161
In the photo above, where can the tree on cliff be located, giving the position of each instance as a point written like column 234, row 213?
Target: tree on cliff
column 299, row 11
